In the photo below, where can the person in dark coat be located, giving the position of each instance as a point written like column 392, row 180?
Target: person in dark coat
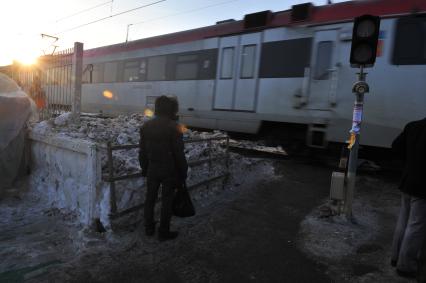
column 410, row 230
column 163, row 162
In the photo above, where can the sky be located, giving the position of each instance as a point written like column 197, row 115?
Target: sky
column 23, row 21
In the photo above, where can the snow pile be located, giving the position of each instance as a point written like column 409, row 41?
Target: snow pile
column 255, row 146
column 63, row 119
column 124, row 130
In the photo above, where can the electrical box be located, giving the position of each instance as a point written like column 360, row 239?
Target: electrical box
column 337, row 189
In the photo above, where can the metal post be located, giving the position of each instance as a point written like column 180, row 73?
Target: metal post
column 359, row 89
column 112, row 200
column 226, row 161
column 127, row 32
column 76, row 78
column 209, row 144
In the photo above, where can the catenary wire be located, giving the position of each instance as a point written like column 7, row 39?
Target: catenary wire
column 185, row 12
column 111, row 16
column 84, row 11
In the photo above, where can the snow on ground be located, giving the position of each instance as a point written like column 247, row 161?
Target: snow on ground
column 363, row 245
column 37, row 241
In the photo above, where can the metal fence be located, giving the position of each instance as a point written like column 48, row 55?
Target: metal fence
column 54, row 83
column 211, row 159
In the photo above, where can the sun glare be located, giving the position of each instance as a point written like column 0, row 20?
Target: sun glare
column 27, row 56
column 27, row 60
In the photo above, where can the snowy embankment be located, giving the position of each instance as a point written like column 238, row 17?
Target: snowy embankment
column 120, row 130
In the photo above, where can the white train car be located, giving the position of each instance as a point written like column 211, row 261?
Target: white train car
column 290, row 67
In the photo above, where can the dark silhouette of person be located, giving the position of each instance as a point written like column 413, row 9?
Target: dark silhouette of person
column 410, row 230
column 163, row 162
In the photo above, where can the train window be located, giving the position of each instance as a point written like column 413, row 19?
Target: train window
column 227, row 63
column 285, row 58
column 248, row 59
column 323, row 60
column 186, row 67
column 110, row 72
column 97, row 73
column 410, row 41
column 186, row 58
column 424, row 39
column 86, row 75
column 157, row 68
column 142, row 69
column 131, row 71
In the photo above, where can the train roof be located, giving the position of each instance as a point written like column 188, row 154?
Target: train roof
column 300, row 15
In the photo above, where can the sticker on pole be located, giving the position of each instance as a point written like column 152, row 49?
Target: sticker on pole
column 351, row 140
column 357, row 118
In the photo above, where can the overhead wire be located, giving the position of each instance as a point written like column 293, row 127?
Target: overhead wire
column 84, row 11
column 185, row 12
column 110, row 16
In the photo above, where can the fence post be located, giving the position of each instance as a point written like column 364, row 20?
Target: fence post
column 226, row 161
column 76, row 79
column 112, row 199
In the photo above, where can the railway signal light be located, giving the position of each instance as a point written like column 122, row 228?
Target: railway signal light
column 365, row 36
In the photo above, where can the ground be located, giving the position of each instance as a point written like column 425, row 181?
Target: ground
column 263, row 228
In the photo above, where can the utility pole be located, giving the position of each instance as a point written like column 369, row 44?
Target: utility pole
column 127, row 32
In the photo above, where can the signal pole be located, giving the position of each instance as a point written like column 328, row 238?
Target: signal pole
column 365, row 35
column 360, row 88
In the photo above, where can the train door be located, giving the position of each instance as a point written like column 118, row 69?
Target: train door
column 324, row 60
column 236, row 81
column 247, row 72
column 224, row 94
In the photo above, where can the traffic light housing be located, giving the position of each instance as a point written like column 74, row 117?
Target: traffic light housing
column 365, row 36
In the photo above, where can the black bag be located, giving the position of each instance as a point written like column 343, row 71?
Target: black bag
column 182, row 204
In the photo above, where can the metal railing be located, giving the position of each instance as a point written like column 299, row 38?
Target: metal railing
column 111, row 178
column 54, row 83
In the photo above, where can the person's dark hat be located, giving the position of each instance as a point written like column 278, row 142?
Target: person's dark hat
column 166, row 107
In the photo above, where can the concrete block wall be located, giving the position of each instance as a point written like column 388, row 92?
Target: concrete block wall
column 67, row 174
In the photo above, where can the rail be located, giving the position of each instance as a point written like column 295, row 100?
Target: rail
column 111, row 178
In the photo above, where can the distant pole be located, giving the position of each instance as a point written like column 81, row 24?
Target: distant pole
column 77, row 74
column 359, row 88
column 127, row 32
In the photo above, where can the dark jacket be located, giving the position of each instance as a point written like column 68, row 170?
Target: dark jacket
column 162, row 149
column 410, row 145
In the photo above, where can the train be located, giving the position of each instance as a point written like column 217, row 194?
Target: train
column 286, row 68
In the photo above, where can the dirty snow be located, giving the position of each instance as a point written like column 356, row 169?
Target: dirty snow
column 365, row 244
column 40, row 244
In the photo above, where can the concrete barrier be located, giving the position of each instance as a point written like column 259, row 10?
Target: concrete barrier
column 68, row 174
